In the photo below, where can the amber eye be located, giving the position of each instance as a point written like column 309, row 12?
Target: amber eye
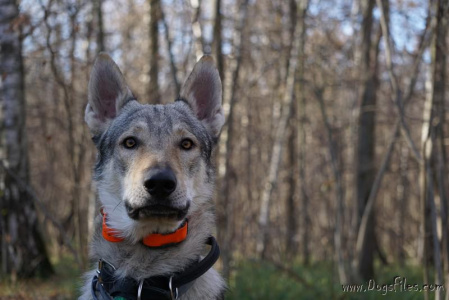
column 186, row 144
column 129, row 143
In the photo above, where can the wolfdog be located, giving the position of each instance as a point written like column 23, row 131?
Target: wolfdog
column 155, row 178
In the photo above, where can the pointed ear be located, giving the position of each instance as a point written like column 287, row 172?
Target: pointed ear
column 107, row 94
column 202, row 91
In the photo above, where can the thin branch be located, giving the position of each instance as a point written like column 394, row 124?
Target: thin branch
column 343, row 275
column 394, row 80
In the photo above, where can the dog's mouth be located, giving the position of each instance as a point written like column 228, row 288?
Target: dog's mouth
column 158, row 211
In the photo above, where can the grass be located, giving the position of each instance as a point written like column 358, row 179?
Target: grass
column 64, row 285
column 256, row 280
column 251, row 280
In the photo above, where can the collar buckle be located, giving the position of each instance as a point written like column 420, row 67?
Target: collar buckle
column 102, row 264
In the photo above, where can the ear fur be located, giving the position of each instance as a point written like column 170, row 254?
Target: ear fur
column 203, row 92
column 107, row 94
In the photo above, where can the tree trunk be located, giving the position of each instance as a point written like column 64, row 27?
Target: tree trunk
column 93, row 206
column 301, row 106
column 439, row 91
column 433, row 117
column 362, row 236
column 365, row 162
column 174, row 70
column 434, row 157
column 287, row 102
column 296, row 145
column 227, row 201
column 402, row 193
column 98, row 9
column 339, row 193
column 153, row 87
column 426, row 146
column 76, row 143
column 197, row 30
column 23, row 251
column 75, row 146
column 218, row 40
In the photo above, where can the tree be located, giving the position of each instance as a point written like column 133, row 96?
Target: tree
column 296, row 147
column 23, row 250
column 197, row 30
column 173, row 68
column 218, row 40
column 98, row 10
column 324, row 164
column 365, row 162
column 287, row 102
column 438, row 92
column 154, row 93
column 227, row 201
column 433, row 154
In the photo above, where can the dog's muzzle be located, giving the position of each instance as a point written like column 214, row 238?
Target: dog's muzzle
column 160, row 183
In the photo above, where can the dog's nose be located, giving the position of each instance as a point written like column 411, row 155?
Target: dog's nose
column 161, row 184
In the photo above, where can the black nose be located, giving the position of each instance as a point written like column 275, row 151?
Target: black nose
column 161, row 184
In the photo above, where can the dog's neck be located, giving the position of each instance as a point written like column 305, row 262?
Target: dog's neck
column 153, row 240
column 141, row 261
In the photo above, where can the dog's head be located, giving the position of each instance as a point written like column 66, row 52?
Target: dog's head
column 154, row 164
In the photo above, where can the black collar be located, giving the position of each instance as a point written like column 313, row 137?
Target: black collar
column 169, row 286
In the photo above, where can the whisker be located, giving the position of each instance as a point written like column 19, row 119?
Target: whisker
column 116, row 206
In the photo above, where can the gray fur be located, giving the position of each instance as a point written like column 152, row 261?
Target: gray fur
column 158, row 130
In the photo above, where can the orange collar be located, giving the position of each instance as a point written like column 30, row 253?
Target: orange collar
column 151, row 240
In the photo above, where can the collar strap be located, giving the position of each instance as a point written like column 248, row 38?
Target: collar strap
column 153, row 240
column 110, row 234
column 157, row 287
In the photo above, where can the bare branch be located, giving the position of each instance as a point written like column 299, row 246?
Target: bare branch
column 394, row 80
column 338, row 239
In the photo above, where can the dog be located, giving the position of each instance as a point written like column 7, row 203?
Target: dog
column 154, row 177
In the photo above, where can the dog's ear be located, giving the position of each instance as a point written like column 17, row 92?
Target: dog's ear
column 107, row 94
column 202, row 91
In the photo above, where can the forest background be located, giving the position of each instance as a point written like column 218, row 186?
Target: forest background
column 332, row 165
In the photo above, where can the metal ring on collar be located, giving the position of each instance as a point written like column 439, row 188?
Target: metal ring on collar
column 102, row 261
column 170, row 286
column 139, row 291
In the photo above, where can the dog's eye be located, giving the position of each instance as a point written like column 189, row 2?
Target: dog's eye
column 186, row 144
column 129, row 143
